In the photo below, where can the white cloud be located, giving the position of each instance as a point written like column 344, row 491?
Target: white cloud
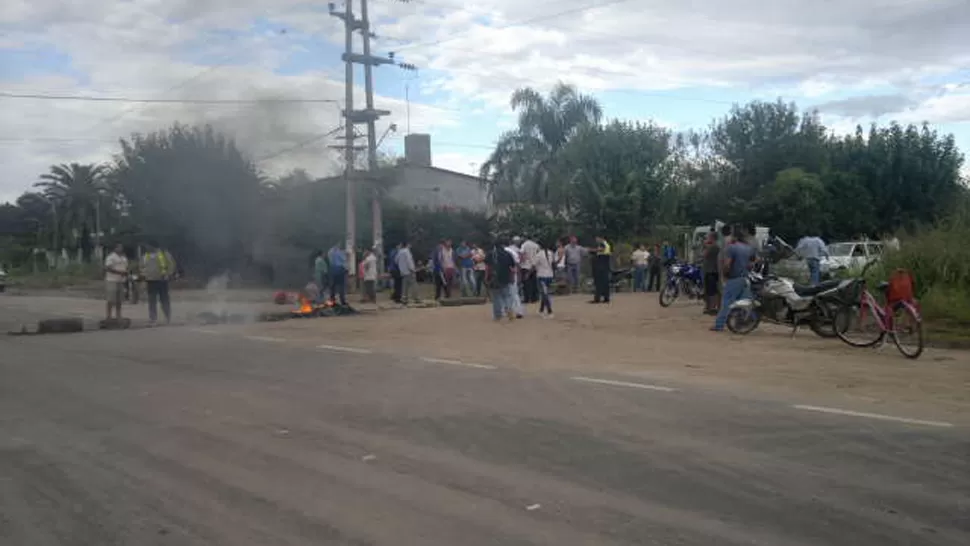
column 469, row 55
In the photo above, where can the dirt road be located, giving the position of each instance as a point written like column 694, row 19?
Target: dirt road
column 635, row 336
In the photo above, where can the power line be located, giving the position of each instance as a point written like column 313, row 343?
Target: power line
column 28, row 140
column 535, row 19
column 98, row 98
column 311, row 140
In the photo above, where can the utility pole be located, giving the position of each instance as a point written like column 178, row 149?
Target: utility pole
column 369, row 115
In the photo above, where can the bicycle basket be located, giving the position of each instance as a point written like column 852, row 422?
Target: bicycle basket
column 900, row 287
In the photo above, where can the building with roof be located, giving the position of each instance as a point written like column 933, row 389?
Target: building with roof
column 416, row 182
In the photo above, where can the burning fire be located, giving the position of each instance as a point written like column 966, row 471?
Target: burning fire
column 307, row 307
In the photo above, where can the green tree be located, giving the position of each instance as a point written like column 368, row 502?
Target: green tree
column 523, row 166
column 794, row 202
column 195, row 192
column 77, row 193
column 757, row 141
column 623, row 177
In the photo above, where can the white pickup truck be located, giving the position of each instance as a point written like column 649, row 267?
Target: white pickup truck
column 850, row 256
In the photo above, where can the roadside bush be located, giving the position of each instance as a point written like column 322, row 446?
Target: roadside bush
column 939, row 259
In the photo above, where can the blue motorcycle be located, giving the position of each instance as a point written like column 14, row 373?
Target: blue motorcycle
column 686, row 279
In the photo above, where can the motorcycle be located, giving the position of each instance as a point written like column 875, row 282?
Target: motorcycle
column 131, row 288
column 781, row 301
column 684, row 279
column 618, row 278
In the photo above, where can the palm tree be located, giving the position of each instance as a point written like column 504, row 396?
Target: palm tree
column 523, row 165
column 76, row 192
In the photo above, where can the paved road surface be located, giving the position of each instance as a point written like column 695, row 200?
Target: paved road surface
column 186, row 437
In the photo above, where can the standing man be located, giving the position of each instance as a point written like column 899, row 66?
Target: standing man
column 669, row 253
column 574, row 262
column 338, row 274
column 408, row 272
column 812, row 249
column 499, row 278
column 443, row 269
column 738, row 258
column 395, row 273
column 466, row 268
column 369, row 268
column 601, row 270
column 158, row 268
column 321, row 275
column 115, row 275
column 640, row 259
column 481, row 268
column 655, row 268
column 530, row 283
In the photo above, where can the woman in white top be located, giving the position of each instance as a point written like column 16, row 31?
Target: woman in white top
column 544, row 262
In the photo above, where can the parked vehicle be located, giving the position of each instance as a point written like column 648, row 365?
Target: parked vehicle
column 618, row 278
column 132, row 292
column 850, row 256
column 781, row 301
column 686, row 279
column 865, row 321
column 3, row 280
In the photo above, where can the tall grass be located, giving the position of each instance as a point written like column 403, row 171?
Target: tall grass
column 939, row 259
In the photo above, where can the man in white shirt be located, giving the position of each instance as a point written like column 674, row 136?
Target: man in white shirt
column 115, row 276
column 516, row 253
column 409, row 281
column 530, row 285
column 640, row 258
column 812, row 249
column 369, row 265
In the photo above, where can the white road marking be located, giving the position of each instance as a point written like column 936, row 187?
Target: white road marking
column 644, row 386
column 345, row 349
column 267, row 338
column 206, row 331
column 457, row 363
column 368, row 457
column 532, row 507
column 879, row 416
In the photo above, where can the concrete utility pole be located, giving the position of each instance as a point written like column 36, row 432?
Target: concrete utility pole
column 367, row 116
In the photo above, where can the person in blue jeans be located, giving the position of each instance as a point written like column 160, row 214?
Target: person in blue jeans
column 812, row 249
column 498, row 278
column 338, row 274
column 738, row 257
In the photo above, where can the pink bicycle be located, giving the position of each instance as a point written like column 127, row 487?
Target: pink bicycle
column 867, row 322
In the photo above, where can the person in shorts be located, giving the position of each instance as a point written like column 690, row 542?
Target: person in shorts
column 115, row 275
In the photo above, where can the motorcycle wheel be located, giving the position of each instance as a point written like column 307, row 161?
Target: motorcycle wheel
column 823, row 322
column 668, row 294
column 743, row 321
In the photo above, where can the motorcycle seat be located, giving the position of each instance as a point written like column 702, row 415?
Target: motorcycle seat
column 803, row 290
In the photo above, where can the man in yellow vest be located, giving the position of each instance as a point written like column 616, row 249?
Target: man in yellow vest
column 602, row 269
column 158, row 268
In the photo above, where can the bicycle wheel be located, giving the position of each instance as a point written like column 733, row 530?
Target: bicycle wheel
column 907, row 321
column 858, row 325
column 668, row 294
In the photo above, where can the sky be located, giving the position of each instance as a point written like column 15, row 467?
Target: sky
column 678, row 63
